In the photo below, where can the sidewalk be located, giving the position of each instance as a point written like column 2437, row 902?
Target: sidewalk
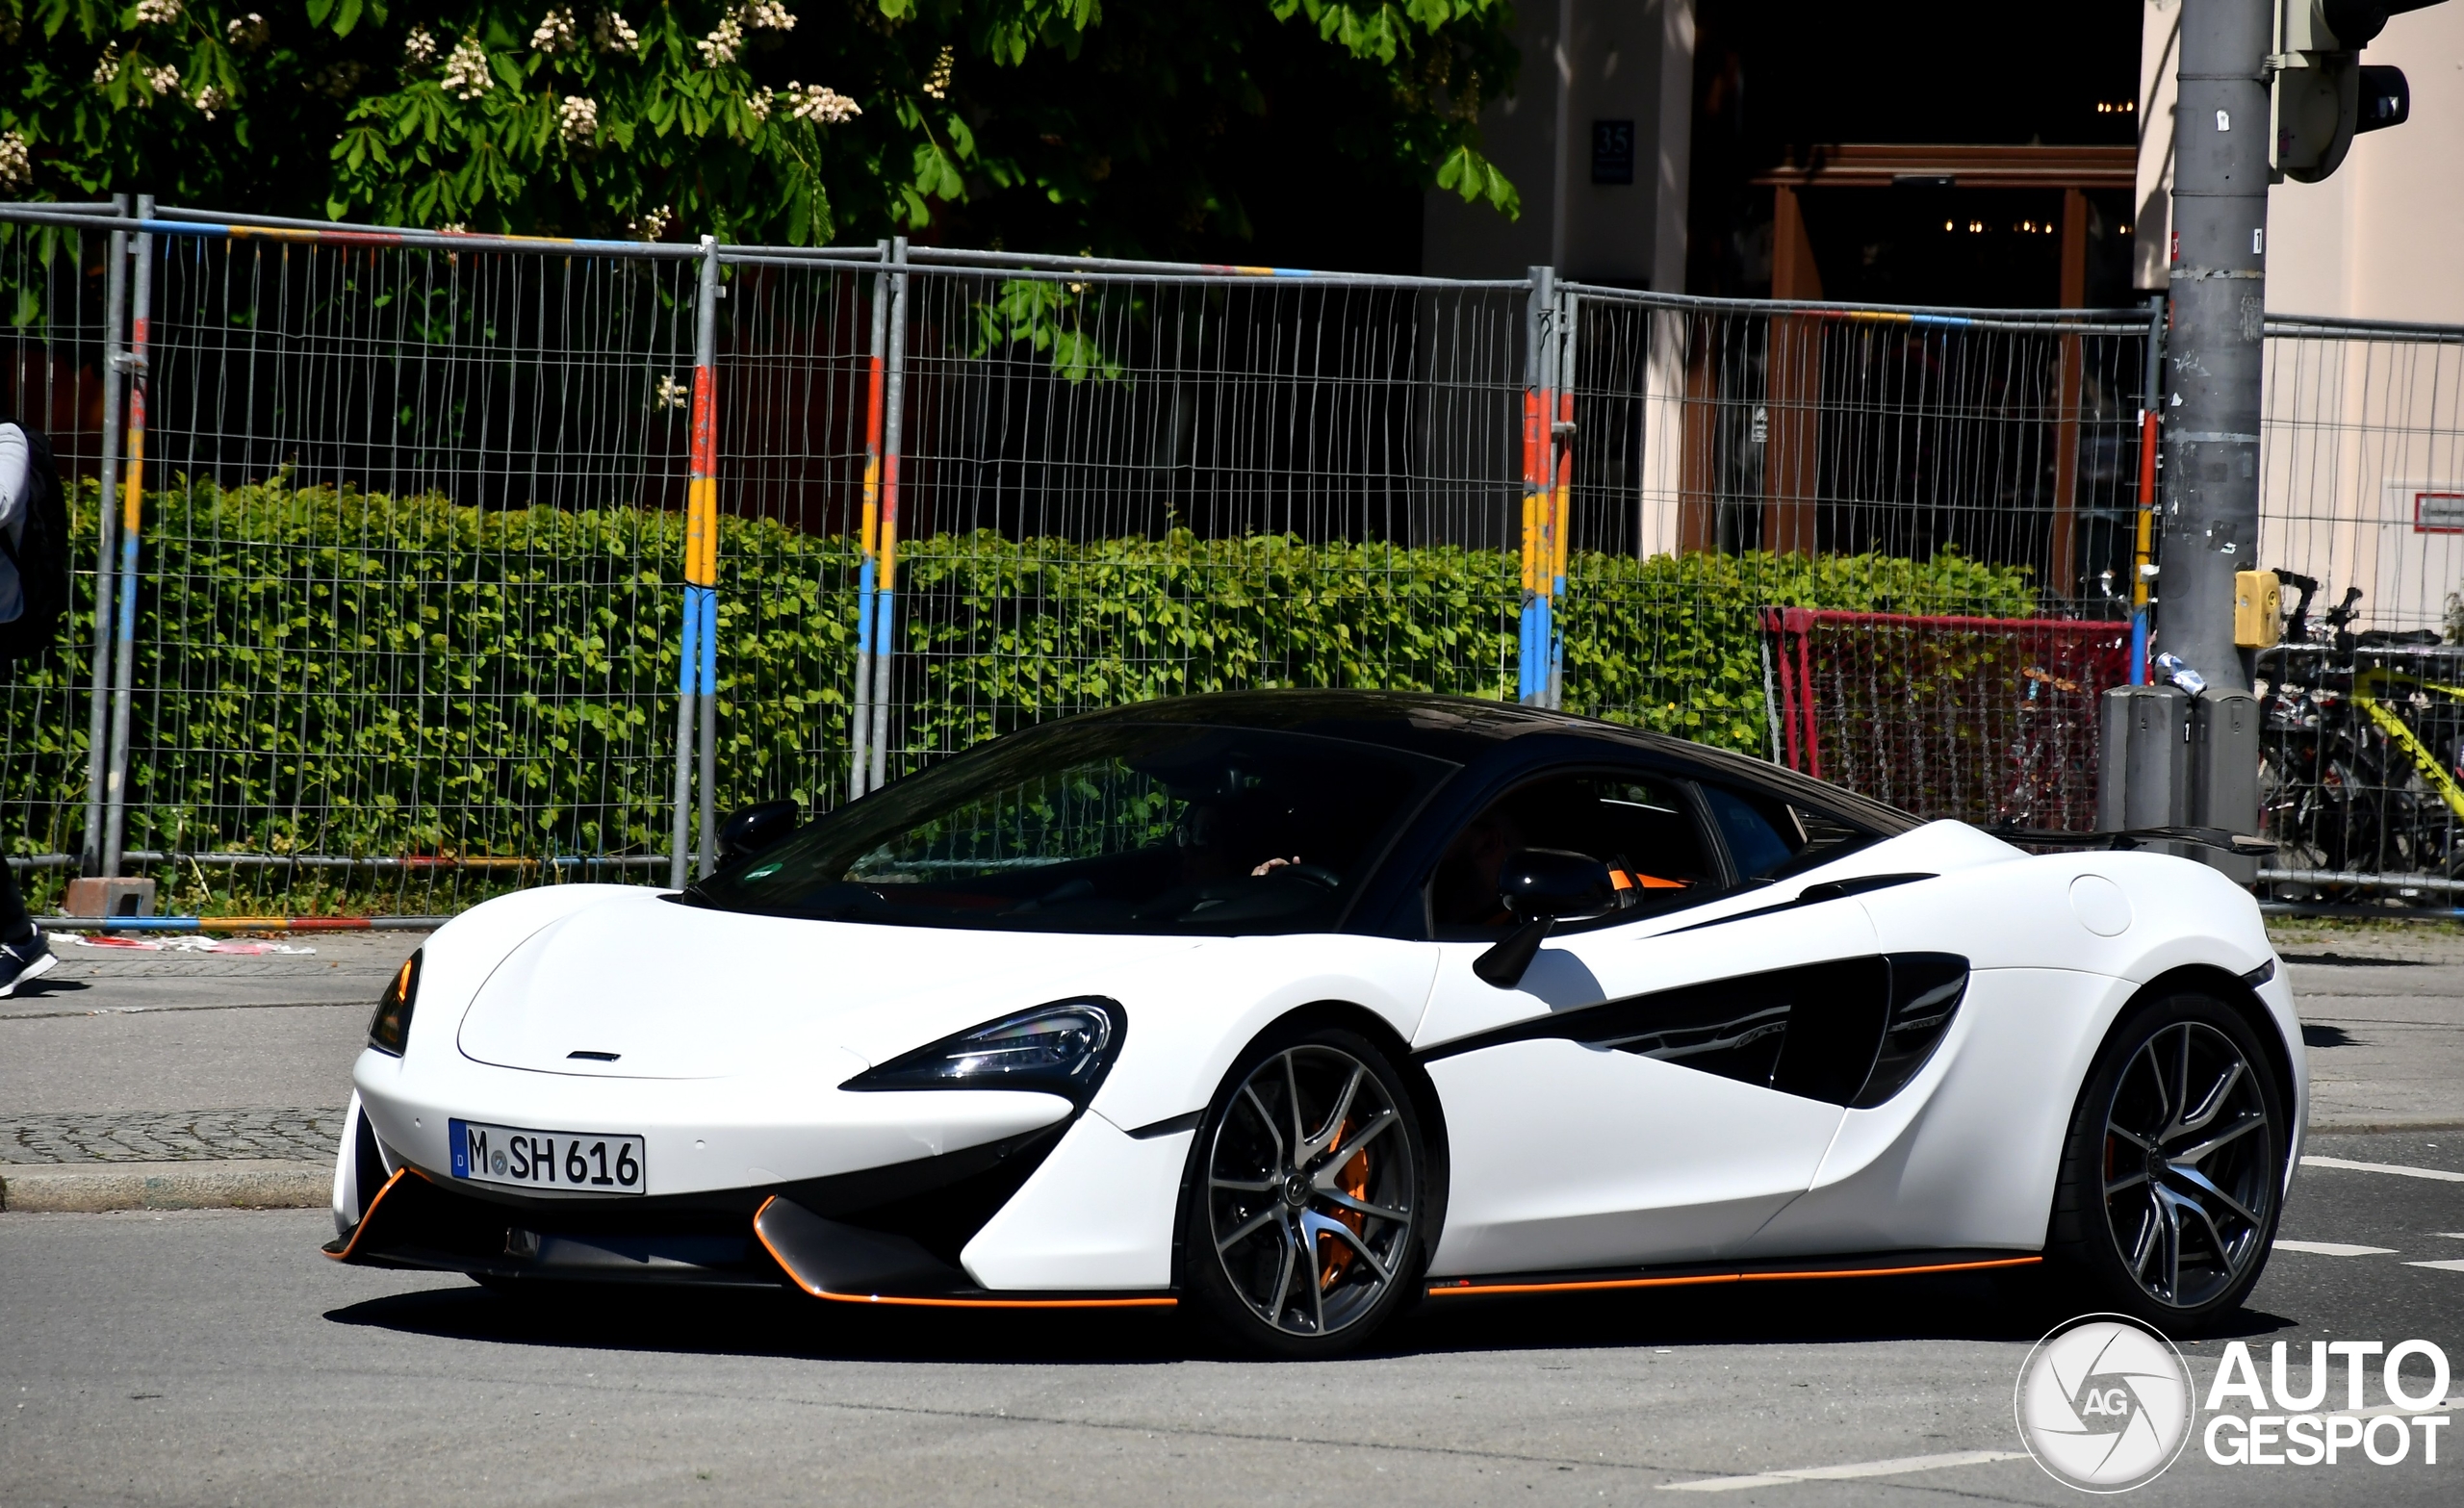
column 134, row 1078
column 2383, row 1010
column 169, row 1080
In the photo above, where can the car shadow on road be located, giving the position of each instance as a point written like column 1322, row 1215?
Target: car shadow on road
column 1978, row 1306
column 759, row 1322
column 1863, row 1311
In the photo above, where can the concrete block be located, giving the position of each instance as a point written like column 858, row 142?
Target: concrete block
column 96, row 897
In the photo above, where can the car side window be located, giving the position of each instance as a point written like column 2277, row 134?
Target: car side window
column 1641, row 827
column 1767, row 838
column 1762, row 834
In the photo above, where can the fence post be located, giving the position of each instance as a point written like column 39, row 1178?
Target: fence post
column 2151, row 423
column 1539, row 407
column 885, row 598
column 1561, row 460
column 132, row 514
column 861, row 715
column 98, row 720
column 702, row 498
column 695, row 704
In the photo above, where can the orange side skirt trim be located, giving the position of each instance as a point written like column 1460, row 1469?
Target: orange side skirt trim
column 1691, row 1280
column 1149, row 1301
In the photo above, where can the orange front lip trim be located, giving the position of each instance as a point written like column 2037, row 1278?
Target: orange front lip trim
column 366, row 1214
column 1149, row 1301
column 1690, row 1280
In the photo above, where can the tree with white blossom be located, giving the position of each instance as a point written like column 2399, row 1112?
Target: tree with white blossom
column 1059, row 123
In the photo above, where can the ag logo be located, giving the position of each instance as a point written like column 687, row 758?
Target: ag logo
column 2104, row 1403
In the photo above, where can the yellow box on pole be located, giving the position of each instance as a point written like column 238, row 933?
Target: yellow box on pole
column 2258, row 610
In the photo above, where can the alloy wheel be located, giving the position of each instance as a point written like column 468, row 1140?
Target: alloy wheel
column 1310, row 1190
column 2189, row 1165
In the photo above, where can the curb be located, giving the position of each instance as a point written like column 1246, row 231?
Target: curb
column 2384, row 1126
column 89, row 1188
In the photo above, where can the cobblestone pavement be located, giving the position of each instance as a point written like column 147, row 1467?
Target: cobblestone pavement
column 173, row 1136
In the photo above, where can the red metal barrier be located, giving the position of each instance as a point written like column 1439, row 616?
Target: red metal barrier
column 1987, row 719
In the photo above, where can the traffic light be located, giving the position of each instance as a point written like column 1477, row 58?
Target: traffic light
column 2323, row 94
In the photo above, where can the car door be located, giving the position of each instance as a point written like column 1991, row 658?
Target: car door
column 1664, row 1079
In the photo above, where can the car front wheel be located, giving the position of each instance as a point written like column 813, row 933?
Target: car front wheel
column 1309, row 1197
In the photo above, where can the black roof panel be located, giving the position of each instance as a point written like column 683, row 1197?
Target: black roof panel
column 1465, row 728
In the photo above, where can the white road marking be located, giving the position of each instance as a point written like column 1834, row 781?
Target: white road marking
column 2334, row 1248
column 2439, row 1173
column 2442, row 1266
column 1833, row 1474
column 2442, row 1406
column 2453, row 1236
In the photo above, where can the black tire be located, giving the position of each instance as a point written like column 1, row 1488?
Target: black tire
column 2172, row 1173
column 1359, row 1206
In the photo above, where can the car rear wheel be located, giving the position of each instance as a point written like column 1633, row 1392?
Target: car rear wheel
column 1309, row 1197
column 2171, row 1174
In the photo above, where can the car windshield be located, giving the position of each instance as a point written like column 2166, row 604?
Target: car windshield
column 1102, row 828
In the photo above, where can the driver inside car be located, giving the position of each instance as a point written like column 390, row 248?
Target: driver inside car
column 1249, row 833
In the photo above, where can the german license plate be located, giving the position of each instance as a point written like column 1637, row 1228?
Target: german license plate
column 580, row 1161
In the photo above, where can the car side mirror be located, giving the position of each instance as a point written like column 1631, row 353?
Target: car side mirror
column 1539, row 886
column 750, row 830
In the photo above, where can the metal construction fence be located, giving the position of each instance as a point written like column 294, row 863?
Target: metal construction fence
column 1989, row 720
column 2362, row 511
column 427, row 564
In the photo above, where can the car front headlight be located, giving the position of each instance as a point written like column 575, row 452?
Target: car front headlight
column 1064, row 1048
column 390, row 1028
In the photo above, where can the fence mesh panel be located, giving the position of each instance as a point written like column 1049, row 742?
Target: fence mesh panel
column 1990, row 720
column 407, row 605
column 52, row 361
column 2362, row 509
column 1726, row 458
column 793, row 347
column 412, row 566
column 1120, row 486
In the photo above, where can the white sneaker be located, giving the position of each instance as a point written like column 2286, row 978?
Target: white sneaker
column 20, row 961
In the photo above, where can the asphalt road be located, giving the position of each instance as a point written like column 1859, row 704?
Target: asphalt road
column 129, row 1029
column 214, row 1357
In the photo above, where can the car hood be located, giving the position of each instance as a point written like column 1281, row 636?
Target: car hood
column 653, row 990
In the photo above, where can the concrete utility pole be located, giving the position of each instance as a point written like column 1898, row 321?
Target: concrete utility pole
column 2219, row 298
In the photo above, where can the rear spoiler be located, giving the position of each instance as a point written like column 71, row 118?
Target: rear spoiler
column 2125, row 838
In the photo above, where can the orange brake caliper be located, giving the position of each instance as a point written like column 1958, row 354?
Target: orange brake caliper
column 1354, row 1181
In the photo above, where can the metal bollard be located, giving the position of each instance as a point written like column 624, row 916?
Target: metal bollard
column 2224, row 775
column 2142, row 775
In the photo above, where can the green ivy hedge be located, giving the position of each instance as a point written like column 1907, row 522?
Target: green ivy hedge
column 338, row 672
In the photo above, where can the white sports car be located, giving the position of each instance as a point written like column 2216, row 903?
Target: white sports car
column 1296, row 1008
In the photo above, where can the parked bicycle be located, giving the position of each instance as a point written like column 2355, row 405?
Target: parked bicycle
column 2362, row 766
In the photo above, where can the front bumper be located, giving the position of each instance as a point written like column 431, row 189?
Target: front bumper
column 897, row 1235
column 912, row 1220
